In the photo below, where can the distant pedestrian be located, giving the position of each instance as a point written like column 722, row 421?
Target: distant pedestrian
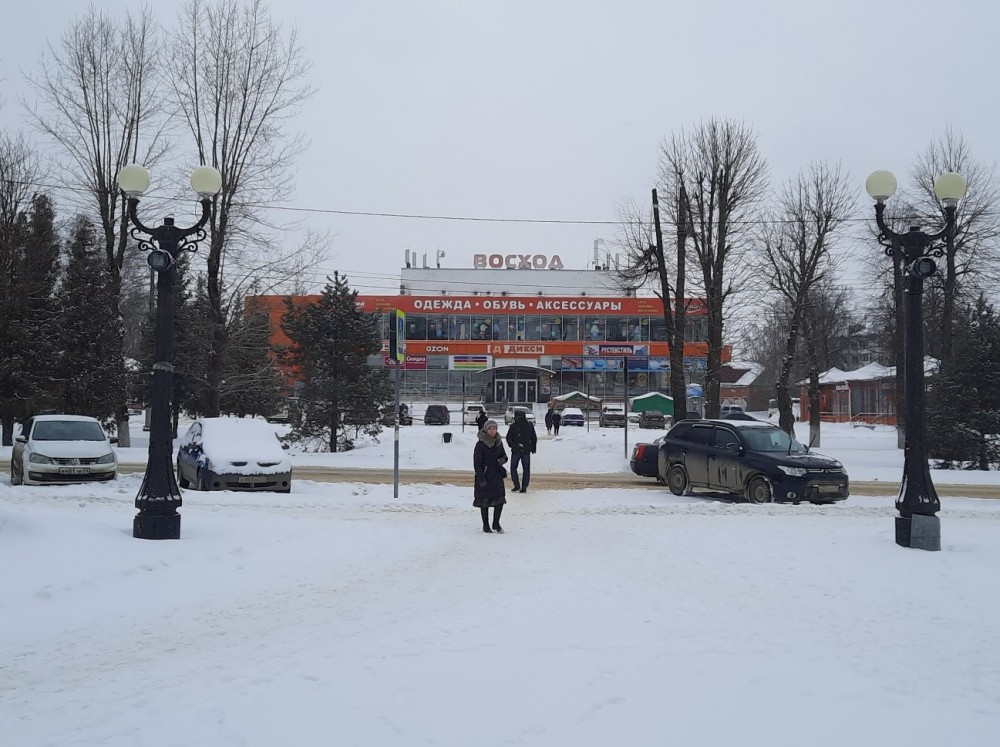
column 556, row 420
column 481, row 420
column 488, row 459
column 522, row 441
column 548, row 420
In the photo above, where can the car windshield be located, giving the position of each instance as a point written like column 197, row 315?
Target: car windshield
column 67, row 430
column 772, row 439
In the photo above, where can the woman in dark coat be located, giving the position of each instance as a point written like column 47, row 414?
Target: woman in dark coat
column 548, row 420
column 488, row 459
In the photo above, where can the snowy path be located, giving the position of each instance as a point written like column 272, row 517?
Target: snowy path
column 600, row 617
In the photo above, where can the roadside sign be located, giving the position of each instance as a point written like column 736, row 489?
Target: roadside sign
column 397, row 336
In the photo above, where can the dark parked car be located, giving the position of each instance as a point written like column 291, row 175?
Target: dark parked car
column 652, row 419
column 757, row 461
column 437, row 415
column 645, row 460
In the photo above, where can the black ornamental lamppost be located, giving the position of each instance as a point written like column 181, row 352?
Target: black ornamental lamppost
column 159, row 497
column 917, row 525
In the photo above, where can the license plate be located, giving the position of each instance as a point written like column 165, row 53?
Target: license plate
column 829, row 488
column 74, row 470
column 248, row 478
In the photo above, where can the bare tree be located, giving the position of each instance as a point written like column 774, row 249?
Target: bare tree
column 798, row 246
column 99, row 107
column 238, row 80
column 648, row 263
column 725, row 177
column 972, row 256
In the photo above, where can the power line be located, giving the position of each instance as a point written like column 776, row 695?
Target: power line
column 465, row 218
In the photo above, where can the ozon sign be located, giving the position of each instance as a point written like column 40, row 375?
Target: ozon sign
column 517, row 262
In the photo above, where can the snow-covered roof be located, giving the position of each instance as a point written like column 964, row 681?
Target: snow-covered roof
column 871, row 372
column 651, row 395
column 576, row 395
column 750, row 372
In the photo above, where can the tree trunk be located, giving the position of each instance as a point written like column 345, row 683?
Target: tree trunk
column 8, row 430
column 678, row 386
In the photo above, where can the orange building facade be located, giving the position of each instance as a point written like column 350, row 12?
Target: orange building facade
column 524, row 348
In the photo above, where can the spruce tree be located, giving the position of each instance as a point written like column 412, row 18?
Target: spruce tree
column 963, row 423
column 331, row 343
column 89, row 373
column 28, row 313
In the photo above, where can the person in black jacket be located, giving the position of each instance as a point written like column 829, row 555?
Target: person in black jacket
column 522, row 441
column 556, row 420
column 488, row 460
column 548, row 420
column 481, row 420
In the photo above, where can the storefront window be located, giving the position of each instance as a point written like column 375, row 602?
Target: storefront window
column 500, row 326
column 482, row 328
column 416, row 327
column 532, row 328
column 461, row 327
column 571, row 328
column 515, row 328
column 594, row 327
column 657, row 329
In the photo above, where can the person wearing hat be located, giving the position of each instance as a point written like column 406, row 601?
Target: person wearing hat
column 488, row 460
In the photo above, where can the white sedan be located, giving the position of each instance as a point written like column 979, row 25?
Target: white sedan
column 508, row 416
column 62, row 449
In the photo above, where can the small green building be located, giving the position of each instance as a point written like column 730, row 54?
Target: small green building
column 653, row 401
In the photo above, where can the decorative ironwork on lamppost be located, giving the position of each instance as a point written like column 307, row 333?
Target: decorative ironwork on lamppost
column 917, row 525
column 159, row 497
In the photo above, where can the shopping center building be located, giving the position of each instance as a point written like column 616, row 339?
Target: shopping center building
column 522, row 328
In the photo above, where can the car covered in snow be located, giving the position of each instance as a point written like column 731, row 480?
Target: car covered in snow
column 612, row 415
column 62, row 449
column 572, row 416
column 233, row 454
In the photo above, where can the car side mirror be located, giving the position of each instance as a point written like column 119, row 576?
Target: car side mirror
column 113, row 439
column 735, row 448
column 22, row 439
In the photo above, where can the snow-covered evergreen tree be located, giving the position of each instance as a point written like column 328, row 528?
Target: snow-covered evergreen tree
column 88, row 372
column 963, row 423
column 331, row 342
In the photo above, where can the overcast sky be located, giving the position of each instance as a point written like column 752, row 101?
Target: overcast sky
column 555, row 110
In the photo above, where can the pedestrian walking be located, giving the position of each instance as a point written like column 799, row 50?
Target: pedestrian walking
column 548, row 420
column 556, row 420
column 522, row 441
column 488, row 460
column 481, row 420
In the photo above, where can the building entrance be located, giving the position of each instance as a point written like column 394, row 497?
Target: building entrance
column 516, row 390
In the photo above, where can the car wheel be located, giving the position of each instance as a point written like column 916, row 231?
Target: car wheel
column 181, row 480
column 759, row 490
column 677, row 480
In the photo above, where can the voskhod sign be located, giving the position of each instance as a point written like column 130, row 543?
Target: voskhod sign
column 517, row 262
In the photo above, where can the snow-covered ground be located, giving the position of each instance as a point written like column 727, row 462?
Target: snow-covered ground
column 339, row 615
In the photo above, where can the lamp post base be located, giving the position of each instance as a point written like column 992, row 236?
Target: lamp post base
column 919, row 532
column 156, row 527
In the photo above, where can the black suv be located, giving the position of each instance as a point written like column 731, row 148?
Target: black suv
column 758, row 461
column 437, row 415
